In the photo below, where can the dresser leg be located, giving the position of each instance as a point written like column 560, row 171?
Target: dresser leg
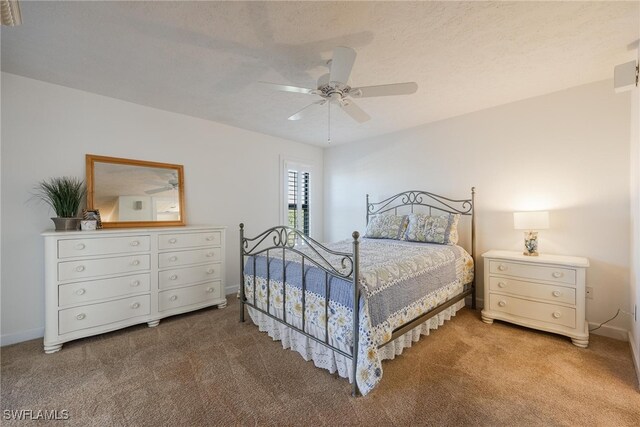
column 48, row 349
column 487, row 319
column 580, row 342
column 153, row 323
column 222, row 305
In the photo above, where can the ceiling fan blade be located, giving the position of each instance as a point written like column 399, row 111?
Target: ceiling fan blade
column 300, row 114
column 159, row 190
column 384, row 90
column 287, row 88
column 352, row 109
column 342, row 63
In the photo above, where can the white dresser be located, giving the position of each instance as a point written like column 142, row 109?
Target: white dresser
column 99, row 281
column 545, row 292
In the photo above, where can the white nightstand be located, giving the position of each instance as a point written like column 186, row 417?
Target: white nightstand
column 545, row 292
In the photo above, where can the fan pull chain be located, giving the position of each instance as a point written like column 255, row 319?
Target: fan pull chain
column 329, row 125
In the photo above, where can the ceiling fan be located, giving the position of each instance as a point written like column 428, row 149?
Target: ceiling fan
column 172, row 184
column 334, row 87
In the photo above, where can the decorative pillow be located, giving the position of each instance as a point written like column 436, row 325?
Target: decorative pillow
column 386, row 227
column 433, row 229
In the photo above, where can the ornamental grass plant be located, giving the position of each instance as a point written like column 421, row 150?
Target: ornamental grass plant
column 64, row 195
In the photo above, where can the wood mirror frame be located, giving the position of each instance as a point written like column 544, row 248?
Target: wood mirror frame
column 137, row 170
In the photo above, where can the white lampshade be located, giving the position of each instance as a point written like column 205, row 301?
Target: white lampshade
column 535, row 220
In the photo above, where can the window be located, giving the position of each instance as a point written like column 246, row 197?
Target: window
column 298, row 200
column 296, row 196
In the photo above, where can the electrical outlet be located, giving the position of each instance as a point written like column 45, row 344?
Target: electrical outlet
column 589, row 292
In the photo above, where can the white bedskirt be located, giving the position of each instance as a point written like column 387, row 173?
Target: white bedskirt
column 325, row 358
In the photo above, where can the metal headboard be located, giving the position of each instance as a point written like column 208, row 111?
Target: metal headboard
column 432, row 201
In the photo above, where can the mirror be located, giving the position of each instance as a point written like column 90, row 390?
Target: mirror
column 135, row 193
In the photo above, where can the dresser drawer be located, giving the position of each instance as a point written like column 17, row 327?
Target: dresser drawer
column 185, row 276
column 71, row 270
column 90, row 316
column 197, row 256
column 533, row 290
column 549, row 313
column 82, row 292
column 102, row 246
column 189, row 240
column 536, row 272
column 190, row 295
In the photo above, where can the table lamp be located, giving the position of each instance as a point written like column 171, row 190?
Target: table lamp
column 531, row 221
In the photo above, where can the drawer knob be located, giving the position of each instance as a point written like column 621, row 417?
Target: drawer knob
column 173, row 277
column 80, row 246
column 135, row 243
column 135, row 262
column 502, row 303
column 210, row 271
column 502, row 267
column 173, row 240
column 210, row 290
column 135, row 283
column 209, row 254
column 557, row 315
column 173, row 297
column 556, row 293
column 501, row 284
column 81, row 316
column 135, row 305
column 557, row 274
column 80, row 268
column 173, row 259
column 209, row 238
column 80, row 291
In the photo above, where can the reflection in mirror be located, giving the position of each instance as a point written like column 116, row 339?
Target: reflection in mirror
column 131, row 192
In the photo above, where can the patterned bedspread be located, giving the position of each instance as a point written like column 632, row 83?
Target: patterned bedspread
column 399, row 282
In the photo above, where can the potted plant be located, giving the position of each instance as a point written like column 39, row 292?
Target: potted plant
column 64, row 195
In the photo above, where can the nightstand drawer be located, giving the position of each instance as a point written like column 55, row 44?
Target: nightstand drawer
column 533, row 290
column 540, row 311
column 536, row 272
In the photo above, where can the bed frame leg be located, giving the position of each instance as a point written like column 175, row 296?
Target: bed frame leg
column 241, row 290
column 473, row 295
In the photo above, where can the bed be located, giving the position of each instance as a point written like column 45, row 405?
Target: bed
column 303, row 293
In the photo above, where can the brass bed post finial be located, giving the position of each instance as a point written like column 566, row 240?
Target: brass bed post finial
column 241, row 290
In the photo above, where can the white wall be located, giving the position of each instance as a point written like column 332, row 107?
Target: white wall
column 231, row 175
column 567, row 152
column 634, row 291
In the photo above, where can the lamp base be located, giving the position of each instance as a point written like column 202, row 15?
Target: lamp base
column 530, row 243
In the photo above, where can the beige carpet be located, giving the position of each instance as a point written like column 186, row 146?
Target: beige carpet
column 205, row 368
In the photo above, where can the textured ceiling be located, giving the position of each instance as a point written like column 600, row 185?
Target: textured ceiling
column 204, row 58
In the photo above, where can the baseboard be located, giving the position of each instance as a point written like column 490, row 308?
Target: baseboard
column 610, row 331
column 231, row 290
column 17, row 337
column 635, row 355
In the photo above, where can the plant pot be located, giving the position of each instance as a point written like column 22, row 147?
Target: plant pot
column 66, row 224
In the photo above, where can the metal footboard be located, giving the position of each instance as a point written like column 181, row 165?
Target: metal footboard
column 286, row 240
